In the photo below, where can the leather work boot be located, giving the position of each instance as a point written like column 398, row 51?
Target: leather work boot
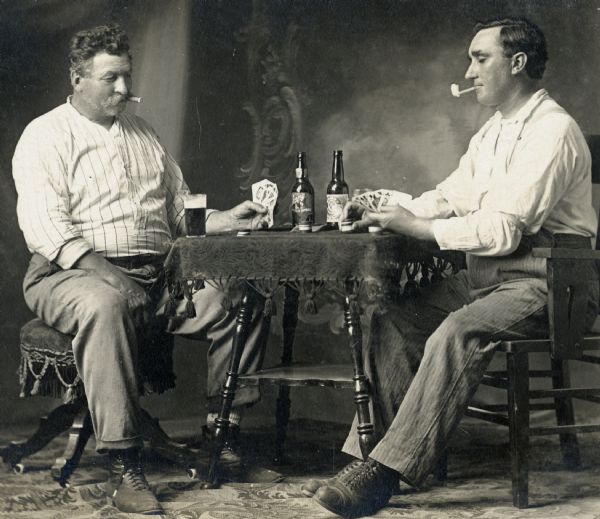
column 359, row 491
column 231, row 465
column 127, row 485
column 230, row 461
column 312, row 485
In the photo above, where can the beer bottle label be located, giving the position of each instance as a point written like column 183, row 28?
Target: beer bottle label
column 335, row 206
column 302, row 208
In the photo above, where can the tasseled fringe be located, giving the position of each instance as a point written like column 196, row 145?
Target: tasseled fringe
column 226, row 302
column 424, row 281
column 190, row 309
column 411, row 288
column 175, row 294
column 170, row 307
column 310, row 307
column 268, row 308
column 36, row 378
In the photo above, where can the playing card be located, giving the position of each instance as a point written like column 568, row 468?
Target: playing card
column 364, row 199
column 375, row 200
column 265, row 193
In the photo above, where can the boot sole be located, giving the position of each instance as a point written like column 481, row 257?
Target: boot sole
column 341, row 513
column 155, row 511
column 367, row 510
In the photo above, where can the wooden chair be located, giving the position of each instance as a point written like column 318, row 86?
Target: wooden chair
column 48, row 369
column 566, row 344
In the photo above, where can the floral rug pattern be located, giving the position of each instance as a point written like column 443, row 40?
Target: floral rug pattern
column 478, row 485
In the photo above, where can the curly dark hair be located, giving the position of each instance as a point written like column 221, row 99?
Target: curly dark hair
column 86, row 44
column 521, row 35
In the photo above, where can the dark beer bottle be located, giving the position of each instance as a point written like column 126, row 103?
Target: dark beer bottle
column 303, row 197
column 337, row 190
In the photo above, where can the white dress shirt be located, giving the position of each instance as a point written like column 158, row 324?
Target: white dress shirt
column 82, row 187
column 517, row 176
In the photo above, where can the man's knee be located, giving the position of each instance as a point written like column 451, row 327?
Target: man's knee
column 456, row 329
column 105, row 305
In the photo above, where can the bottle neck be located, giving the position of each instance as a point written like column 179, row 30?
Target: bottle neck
column 337, row 173
column 301, row 166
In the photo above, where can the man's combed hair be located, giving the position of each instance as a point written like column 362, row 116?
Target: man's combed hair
column 521, row 35
column 86, row 44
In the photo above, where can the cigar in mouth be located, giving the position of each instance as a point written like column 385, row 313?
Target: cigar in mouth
column 134, row 99
column 454, row 89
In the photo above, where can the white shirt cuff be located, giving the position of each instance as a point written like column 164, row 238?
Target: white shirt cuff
column 71, row 251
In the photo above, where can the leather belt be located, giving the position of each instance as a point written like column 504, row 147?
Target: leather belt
column 136, row 262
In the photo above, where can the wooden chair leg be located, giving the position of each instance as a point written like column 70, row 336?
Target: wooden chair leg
column 565, row 415
column 282, row 410
column 80, row 433
column 57, row 422
column 518, row 425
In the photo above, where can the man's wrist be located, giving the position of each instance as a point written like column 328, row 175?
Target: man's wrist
column 219, row 221
column 420, row 228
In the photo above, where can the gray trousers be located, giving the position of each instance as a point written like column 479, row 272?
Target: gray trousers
column 426, row 356
column 105, row 343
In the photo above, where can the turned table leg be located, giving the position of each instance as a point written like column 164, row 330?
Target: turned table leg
column 362, row 395
column 242, row 331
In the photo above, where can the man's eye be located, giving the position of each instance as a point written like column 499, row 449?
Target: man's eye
column 480, row 60
column 109, row 79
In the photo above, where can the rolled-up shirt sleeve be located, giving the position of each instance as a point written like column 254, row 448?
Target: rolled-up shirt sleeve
column 484, row 233
column 43, row 200
column 176, row 188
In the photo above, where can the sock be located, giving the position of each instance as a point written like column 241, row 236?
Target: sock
column 235, row 417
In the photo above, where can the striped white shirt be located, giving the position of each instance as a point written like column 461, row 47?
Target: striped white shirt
column 82, row 187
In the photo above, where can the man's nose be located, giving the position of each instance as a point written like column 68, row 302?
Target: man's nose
column 122, row 86
column 470, row 73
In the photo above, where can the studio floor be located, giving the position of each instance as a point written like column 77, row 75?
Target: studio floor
column 478, row 485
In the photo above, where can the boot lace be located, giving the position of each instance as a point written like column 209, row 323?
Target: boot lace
column 364, row 474
column 134, row 477
column 348, row 468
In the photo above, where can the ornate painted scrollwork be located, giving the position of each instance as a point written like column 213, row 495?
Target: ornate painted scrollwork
column 273, row 107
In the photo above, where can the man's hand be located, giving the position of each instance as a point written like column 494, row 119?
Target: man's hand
column 137, row 299
column 248, row 216
column 353, row 211
column 391, row 218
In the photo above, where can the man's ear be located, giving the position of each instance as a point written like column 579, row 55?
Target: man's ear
column 518, row 63
column 75, row 79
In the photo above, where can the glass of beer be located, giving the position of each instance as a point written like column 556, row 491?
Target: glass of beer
column 195, row 214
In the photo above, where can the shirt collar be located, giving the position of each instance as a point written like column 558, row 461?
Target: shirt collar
column 526, row 110
column 77, row 113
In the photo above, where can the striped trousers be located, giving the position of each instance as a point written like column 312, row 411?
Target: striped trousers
column 426, row 356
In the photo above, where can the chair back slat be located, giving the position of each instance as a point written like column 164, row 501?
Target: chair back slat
column 567, row 305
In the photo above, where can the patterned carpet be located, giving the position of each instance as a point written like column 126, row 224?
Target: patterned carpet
column 478, row 485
